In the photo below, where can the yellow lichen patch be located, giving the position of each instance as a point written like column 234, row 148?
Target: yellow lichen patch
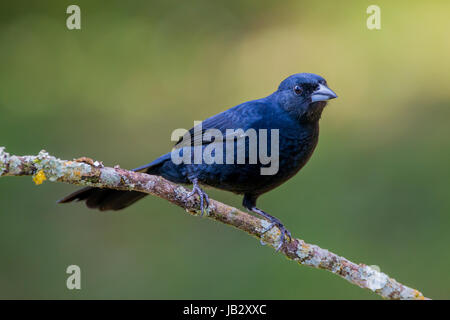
column 418, row 295
column 39, row 177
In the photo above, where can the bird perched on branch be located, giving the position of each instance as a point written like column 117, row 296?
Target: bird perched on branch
column 291, row 115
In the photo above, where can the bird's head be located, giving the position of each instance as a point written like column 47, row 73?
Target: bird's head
column 304, row 95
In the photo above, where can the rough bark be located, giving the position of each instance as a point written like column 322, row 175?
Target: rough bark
column 86, row 172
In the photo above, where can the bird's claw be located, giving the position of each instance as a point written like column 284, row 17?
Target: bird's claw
column 204, row 199
column 285, row 233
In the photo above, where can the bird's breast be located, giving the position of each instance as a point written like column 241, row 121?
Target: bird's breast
column 296, row 148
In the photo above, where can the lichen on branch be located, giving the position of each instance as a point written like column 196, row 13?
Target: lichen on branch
column 87, row 172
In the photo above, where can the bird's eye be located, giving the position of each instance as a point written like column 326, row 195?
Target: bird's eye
column 298, row 90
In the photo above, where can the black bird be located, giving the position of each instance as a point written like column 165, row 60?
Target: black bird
column 294, row 110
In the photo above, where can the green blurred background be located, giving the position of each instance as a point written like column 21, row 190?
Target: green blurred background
column 376, row 190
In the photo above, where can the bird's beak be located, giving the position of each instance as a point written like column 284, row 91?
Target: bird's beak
column 323, row 94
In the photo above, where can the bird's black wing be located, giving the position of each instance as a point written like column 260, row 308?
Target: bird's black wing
column 242, row 116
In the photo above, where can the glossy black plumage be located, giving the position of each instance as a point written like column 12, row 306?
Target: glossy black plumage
column 294, row 109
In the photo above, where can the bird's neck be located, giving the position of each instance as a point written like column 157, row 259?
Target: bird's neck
column 309, row 114
column 314, row 112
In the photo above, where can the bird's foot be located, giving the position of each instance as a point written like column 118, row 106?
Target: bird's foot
column 204, row 199
column 285, row 236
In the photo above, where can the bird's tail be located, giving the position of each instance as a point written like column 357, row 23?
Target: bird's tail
column 104, row 199
column 109, row 199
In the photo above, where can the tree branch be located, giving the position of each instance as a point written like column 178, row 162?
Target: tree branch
column 86, row 172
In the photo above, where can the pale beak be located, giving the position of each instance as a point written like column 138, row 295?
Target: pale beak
column 323, row 94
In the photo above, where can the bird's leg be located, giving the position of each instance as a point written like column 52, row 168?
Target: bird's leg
column 250, row 204
column 202, row 195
